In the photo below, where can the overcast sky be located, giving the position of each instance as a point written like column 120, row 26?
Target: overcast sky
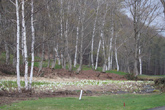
column 159, row 21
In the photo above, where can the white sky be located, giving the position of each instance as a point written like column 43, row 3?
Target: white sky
column 159, row 21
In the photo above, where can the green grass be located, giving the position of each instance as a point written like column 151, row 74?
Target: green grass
column 116, row 72
column 111, row 102
column 153, row 77
column 112, row 71
column 10, row 84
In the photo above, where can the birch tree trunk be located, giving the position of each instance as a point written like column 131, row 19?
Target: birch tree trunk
column 102, row 37
column 62, row 59
column 70, row 63
column 25, row 45
column 32, row 44
column 110, row 43
column 18, row 46
column 93, row 34
column 66, row 38
column 76, row 47
column 97, row 57
column 136, row 61
column 61, row 30
column 111, row 62
column 140, row 62
column 81, row 49
column 61, row 21
column 54, row 59
column 116, row 58
column 109, row 54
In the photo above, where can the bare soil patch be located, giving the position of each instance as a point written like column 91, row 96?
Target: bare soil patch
column 87, row 74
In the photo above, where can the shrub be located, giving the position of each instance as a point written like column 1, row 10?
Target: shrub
column 130, row 76
column 160, row 83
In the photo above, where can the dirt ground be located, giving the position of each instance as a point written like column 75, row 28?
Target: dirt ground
column 88, row 74
column 52, row 75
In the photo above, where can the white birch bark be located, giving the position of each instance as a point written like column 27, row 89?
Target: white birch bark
column 76, row 46
column 54, row 60
column 61, row 26
column 57, row 55
column 109, row 53
column 97, row 57
column 62, row 59
column 116, row 58
column 66, row 54
column 32, row 44
column 140, row 61
column 18, row 46
column 111, row 62
column 110, row 43
column 25, row 45
column 93, row 34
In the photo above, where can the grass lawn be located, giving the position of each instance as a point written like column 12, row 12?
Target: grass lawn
column 153, row 77
column 110, row 102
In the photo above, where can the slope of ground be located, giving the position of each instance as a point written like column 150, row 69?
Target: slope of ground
column 86, row 74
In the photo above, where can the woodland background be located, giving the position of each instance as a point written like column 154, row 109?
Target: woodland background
column 84, row 32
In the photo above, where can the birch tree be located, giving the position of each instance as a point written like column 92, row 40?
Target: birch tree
column 77, row 35
column 76, row 46
column 32, row 44
column 102, row 37
column 18, row 45
column 24, row 44
column 93, row 33
column 97, row 56
column 111, row 41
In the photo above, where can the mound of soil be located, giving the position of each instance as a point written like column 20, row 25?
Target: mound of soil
column 87, row 74
column 6, row 70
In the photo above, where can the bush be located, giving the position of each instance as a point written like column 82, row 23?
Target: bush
column 130, row 76
column 160, row 83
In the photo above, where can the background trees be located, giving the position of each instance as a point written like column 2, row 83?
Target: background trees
column 93, row 32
